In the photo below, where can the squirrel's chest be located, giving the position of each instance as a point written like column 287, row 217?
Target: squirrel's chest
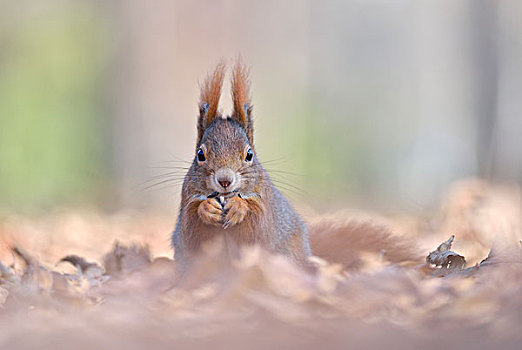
column 231, row 239
column 240, row 234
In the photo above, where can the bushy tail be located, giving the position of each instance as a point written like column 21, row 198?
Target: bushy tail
column 350, row 241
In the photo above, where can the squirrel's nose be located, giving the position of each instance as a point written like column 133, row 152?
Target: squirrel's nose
column 224, row 183
column 225, row 178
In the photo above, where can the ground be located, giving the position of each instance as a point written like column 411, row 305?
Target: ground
column 119, row 287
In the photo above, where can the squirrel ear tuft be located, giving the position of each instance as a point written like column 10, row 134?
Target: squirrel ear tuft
column 209, row 99
column 242, row 112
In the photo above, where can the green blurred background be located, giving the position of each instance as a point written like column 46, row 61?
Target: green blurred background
column 52, row 137
column 375, row 104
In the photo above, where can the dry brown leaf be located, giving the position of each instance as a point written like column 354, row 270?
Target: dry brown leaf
column 7, row 273
column 446, row 259
column 85, row 268
column 90, row 272
column 123, row 259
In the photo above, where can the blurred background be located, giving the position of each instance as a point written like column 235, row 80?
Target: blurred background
column 373, row 104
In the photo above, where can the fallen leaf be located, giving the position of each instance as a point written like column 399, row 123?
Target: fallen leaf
column 446, row 259
column 123, row 259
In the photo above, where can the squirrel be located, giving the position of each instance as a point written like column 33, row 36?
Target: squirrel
column 226, row 191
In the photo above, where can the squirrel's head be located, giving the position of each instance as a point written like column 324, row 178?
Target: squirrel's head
column 225, row 159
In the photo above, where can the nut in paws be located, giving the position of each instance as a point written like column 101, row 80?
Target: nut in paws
column 210, row 211
column 235, row 211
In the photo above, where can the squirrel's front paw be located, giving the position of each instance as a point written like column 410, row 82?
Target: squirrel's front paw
column 210, row 211
column 236, row 210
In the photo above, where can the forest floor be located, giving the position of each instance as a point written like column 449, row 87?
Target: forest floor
column 83, row 280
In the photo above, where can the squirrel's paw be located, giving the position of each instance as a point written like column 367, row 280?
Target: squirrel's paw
column 210, row 211
column 236, row 210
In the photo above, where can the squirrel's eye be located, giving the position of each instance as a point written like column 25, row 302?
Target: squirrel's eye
column 201, row 155
column 249, row 155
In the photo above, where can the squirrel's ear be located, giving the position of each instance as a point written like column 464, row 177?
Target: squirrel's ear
column 209, row 99
column 242, row 112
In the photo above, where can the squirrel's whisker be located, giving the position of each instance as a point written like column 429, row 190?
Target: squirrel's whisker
column 176, row 161
column 276, row 160
column 156, row 177
column 270, row 171
column 286, row 184
column 162, row 182
column 169, row 167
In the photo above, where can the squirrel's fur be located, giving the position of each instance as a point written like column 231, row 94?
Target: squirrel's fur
column 249, row 210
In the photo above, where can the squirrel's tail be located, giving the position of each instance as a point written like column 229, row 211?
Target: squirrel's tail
column 350, row 241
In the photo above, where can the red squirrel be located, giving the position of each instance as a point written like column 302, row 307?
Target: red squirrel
column 226, row 191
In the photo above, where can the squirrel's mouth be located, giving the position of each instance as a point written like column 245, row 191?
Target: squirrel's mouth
column 216, row 194
column 221, row 197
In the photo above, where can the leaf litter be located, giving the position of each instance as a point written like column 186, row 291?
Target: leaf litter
column 58, row 291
